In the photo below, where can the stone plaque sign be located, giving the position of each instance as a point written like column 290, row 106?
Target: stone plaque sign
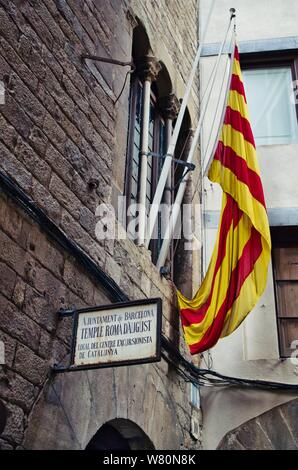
column 117, row 334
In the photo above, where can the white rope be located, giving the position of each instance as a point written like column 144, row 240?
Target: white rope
column 180, row 193
column 172, row 144
column 205, row 171
column 227, row 66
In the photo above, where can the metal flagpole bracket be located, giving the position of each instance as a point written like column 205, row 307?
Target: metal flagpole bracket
column 233, row 16
column 63, row 312
column 189, row 166
column 108, row 60
column 165, row 270
column 115, row 62
column 233, row 13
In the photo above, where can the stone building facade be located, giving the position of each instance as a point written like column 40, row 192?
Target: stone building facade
column 63, row 141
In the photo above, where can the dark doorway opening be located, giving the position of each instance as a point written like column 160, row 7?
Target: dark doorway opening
column 120, row 434
column 108, row 438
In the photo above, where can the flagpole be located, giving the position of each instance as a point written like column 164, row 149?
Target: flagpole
column 205, row 171
column 179, row 197
column 172, row 144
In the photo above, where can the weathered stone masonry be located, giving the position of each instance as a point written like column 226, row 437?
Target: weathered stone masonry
column 61, row 141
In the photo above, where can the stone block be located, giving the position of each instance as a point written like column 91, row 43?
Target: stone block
column 11, row 220
column 30, row 365
column 17, row 324
column 38, row 140
column 43, row 249
column 9, row 348
column 276, row 427
column 4, row 445
column 54, row 132
column 8, row 28
column 8, row 133
column 65, row 197
column 113, row 269
column 15, row 425
column 253, row 437
column 38, row 307
column 77, row 280
column 8, row 279
column 27, row 100
column 19, row 293
column 289, row 412
column 36, row 165
column 15, row 169
column 17, row 390
column 46, row 201
column 11, row 253
column 38, row 25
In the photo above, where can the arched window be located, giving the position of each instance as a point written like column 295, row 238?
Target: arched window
column 156, row 143
column 163, row 108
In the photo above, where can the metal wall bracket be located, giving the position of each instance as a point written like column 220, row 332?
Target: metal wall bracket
column 62, row 313
column 108, row 60
column 189, row 166
column 115, row 62
column 164, row 270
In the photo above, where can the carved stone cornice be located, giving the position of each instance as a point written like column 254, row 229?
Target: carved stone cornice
column 169, row 106
column 148, row 68
column 131, row 18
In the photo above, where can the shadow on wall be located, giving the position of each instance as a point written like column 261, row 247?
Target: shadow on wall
column 120, row 434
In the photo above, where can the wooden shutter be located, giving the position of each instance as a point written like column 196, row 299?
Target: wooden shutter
column 286, row 280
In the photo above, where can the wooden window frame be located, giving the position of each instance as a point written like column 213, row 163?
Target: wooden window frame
column 282, row 237
column 272, row 59
column 130, row 140
column 130, row 149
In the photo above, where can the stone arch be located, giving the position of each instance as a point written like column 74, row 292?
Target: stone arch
column 164, row 82
column 183, row 138
column 140, row 41
column 275, row 429
column 120, row 434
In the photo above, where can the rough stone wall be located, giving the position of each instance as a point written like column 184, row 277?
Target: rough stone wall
column 36, row 279
column 59, row 131
column 276, row 429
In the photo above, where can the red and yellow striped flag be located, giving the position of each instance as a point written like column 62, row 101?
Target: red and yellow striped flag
column 237, row 272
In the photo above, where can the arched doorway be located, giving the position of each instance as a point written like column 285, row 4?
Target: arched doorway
column 120, row 434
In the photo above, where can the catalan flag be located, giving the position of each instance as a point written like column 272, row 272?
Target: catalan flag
column 237, row 273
